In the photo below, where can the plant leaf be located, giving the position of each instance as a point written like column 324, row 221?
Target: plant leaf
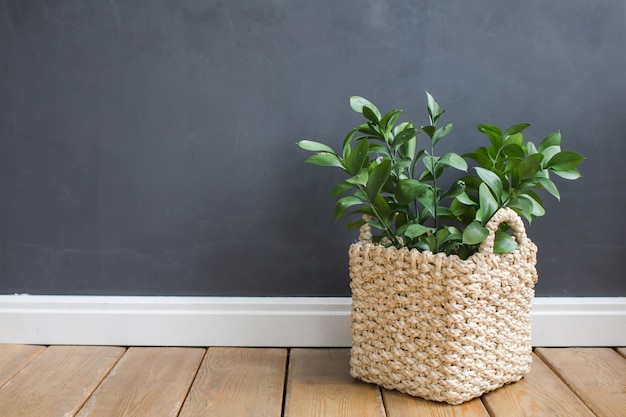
column 554, row 139
column 463, row 198
column 504, row 242
column 356, row 224
column 456, row 189
column 309, row 145
column 515, row 129
column 368, row 113
column 434, row 111
column 325, row 160
column 492, row 180
column 564, row 161
column 474, row 233
column 453, row 160
column 488, row 204
column 360, row 178
column 390, row 118
column 404, row 136
column 341, row 188
column 549, row 152
column 357, row 103
column 416, row 230
column 357, row 157
column 568, row 174
column 493, row 133
column 513, row 150
column 549, row 186
column 343, row 203
column 409, row 189
column 377, row 178
column 530, row 166
column 441, row 132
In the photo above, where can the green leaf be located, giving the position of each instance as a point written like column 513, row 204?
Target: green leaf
column 407, row 150
column 382, row 207
column 463, row 198
column 404, row 136
column 347, row 140
column 453, row 160
column 341, row 188
column 344, row 203
column 390, row 118
column 549, row 152
column 549, row 186
column 416, row 230
column 493, row 133
column 554, row 139
column 356, row 224
column 456, row 189
column 358, row 103
column 309, row 145
column 515, row 130
column 492, row 180
column 523, row 207
column 357, row 157
column 377, row 178
column 434, row 111
column 430, row 163
column 409, row 189
column 427, row 199
column 537, row 210
column 564, row 161
column 368, row 113
column 441, row 132
column 504, row 242
column 488, row 204
column 481, row 156
column 513, row 150
column 360, row 178
column 530, row 166
column 325, row 160
column 474, row 233
column 568, row 174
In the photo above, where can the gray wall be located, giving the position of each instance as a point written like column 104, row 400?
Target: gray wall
column 147, row 147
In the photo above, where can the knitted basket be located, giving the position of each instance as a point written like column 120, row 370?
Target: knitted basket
column 439, row 327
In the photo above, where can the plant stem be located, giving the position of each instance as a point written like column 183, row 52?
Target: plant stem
column 386, row 227
column 435, row 192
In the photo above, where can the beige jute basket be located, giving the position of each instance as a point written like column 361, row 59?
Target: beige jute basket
column 439, row 327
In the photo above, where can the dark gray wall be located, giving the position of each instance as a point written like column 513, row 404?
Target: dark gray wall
column 147, row 147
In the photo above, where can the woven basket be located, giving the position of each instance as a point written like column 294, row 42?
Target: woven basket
column 439, row 327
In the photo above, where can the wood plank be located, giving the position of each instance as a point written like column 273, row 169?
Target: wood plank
column 14, row 357
column 58, row 381
column 238, row 382
column 151, row 382
column 539, row 394
column 621, row 351
column 596, row 375
column 319, row 384
column 402, row 405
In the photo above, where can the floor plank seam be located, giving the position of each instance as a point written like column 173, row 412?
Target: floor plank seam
column 285, row 381
column 104, row 378
column 193, row 380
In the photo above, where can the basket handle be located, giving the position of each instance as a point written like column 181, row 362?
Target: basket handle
column 510, row 217
column 365, row 232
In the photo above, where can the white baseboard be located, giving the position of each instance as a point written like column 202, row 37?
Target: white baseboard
column 259, row 321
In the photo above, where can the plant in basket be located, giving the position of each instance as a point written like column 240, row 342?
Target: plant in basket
column 443, row 274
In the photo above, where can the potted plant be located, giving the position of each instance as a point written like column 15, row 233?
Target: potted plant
column 443, row 274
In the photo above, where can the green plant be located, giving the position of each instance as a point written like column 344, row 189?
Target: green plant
column 397, row 188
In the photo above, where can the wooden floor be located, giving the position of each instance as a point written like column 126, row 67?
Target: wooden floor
column 68, row 381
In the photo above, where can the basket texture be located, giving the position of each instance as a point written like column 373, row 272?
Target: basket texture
column 439, row 327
